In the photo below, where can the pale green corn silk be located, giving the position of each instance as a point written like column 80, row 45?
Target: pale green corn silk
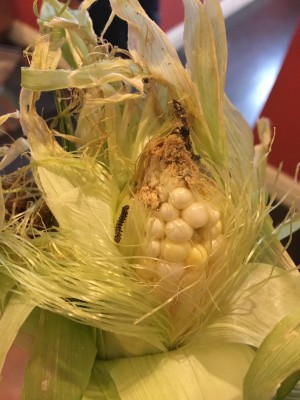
column 82, row 261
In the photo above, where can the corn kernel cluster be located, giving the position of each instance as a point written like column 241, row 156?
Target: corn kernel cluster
column 184, row 231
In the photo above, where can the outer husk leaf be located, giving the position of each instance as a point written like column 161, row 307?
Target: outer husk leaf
column 184, row 374
column 151, row 49
column 277, row 359
column 200, row 50
column 61, row 361
column 92, row 75
column 247, row 315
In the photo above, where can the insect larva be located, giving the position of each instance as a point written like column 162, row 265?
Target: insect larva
column 120, row 222
column 184, row 130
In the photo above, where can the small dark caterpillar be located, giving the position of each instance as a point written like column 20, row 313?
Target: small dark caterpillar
column 120, row 222
column 184, row 130
column 179, row 111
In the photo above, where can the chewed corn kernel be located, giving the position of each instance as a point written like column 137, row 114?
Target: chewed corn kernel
column 196, row 215
column 181, row 197
column 178, row 230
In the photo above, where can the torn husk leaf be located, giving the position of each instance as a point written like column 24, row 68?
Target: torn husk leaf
column 151, row 239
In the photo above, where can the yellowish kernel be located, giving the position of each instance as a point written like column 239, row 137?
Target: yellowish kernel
column 197, row 256
column 175, row 251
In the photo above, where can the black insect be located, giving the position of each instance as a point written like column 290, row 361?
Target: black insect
column 120, row 222
column 179, row 111
column 184, row 130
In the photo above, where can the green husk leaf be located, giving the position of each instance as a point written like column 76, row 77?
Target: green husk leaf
column 269, row 249
column 61, row 361
column 150, row 48
column 201, row 54
column 58, row 8
column 101, row 385
column 184, row 374
column 6, row 284
column 15, row 314
column 288, row 227
column 294, row 393
column 239, row 142
column 74, row 26
column 215, row 14
column 78, row 193
column 92, row 75
column 276, row 367
column 78, row 197
column 47, row 53
column 247, row 316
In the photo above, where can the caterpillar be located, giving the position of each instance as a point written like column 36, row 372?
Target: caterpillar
column 184, row 130
column 120, row 222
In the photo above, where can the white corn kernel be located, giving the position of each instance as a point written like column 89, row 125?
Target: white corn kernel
column 168, row 212
column 181, row 197
column 178, row 230
column 196, row 215
column 153, row 248
column 155, row 228
column 197, row 255
column 174, row 251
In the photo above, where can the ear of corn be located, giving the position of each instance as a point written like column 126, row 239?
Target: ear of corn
column 162, row 254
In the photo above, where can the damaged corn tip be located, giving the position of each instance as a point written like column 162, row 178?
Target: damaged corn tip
column 183, row 232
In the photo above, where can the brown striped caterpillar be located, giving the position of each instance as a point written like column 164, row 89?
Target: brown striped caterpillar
column 120, row 222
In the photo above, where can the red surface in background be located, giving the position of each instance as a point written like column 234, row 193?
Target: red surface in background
column 171, row 12
column 283, row 110
column 23, row 11
column 13, row 374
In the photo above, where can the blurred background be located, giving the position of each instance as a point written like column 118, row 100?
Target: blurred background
column 263, row 76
